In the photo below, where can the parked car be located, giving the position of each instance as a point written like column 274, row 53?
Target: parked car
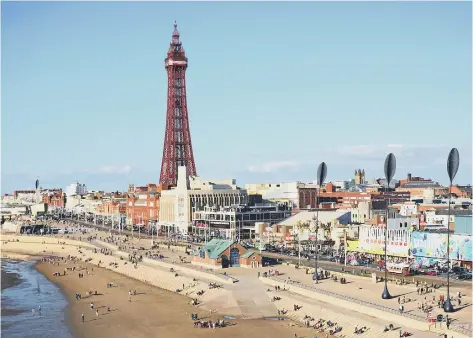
column 431, row 272
column 464, row 276
column 458, row 270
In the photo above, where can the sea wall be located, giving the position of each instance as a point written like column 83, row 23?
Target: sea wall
column 155, row 275
column 164, row 265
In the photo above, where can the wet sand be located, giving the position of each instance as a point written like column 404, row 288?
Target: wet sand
column 10, row 279
column 152, row 312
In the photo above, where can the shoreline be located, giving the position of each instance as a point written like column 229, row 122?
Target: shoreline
column 151, row 302
column 67, row 308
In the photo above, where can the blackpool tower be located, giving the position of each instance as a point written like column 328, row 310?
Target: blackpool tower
column 177, row 149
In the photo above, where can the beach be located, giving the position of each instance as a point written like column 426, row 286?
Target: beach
column 160, row 307
column 151, row 312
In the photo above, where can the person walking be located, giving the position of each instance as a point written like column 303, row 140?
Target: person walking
column 82, row 318
column 97, row 313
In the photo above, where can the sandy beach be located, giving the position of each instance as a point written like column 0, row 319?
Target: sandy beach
column 152, row 312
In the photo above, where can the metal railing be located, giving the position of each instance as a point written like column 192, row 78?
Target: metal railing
column 457, row 328
column 192, row 267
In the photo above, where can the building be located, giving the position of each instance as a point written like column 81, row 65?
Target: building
column 359, row 176
column 54, row 199
column 409, row 209
column 177, row 150
column 233, row 222
column 142, row 204
column 428, row 248
column 111, row 208
column 424, row 189
column 465, row 191
column 371, row 240
column 361, row 213
column 222, row 254
column 463, row 225
column 284, row 192
column 333, row 224
column 192, row 194
column 341, row 185
column 76, row 189
column 80, row 204
column 392, row 197
column 441, row 216
column 342, row 198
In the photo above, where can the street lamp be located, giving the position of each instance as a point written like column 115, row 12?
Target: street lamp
column 453, row 162
column 321, row 175
column 389, row 171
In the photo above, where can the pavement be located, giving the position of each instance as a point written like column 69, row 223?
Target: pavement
column 333, row 266
column 249, row 298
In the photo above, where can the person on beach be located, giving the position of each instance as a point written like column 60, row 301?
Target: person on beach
column 97, row 313
column 82, row 318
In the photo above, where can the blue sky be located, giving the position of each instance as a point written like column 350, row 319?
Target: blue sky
column 273, row 90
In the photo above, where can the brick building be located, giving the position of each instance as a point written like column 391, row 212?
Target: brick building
column 392, row 196
column 112, row 207
column 142, row 204
column 55, row 199
column 222, row 254
column 424, row 188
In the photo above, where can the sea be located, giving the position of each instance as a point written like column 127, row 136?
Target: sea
column 24, row 289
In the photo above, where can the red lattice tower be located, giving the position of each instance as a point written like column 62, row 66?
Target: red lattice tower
column 177, row 140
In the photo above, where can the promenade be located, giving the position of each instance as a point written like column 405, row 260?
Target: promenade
column 244, row 295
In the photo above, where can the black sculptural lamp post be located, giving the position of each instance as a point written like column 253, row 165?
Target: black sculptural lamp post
column 453, row 162
column 389, row 170
column 321, row 175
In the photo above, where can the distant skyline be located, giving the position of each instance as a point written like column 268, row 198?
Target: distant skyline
column 274, row 88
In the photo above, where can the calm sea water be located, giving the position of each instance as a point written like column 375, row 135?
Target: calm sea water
column 18, row 321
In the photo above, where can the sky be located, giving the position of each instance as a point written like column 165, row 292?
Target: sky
column 274, row 88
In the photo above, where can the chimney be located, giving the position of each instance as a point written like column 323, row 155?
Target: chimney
column 409, row 177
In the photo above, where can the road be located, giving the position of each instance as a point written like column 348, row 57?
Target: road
column 332, row 266
column 325, row 264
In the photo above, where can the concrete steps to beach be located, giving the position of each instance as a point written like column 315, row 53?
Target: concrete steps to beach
column 318, row 310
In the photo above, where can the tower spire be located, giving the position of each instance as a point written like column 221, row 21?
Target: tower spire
column 177, row 149
column 175, row 36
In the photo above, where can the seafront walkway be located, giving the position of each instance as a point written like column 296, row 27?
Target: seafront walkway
column 359, row 299
column 154, row 275
column 365, row 289
column 367, row 307
column 345, row 318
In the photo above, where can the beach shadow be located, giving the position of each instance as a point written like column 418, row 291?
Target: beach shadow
column 462, row 307
column 402, row 294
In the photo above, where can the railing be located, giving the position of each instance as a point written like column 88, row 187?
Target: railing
column 192, row 267
column 458, row 328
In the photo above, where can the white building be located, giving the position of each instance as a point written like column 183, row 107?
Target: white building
column 408, row 209
column 177, row 206
column 431, row 218
column 341, row 185
column 361, row 213
column 76, row 189
column 276, row 192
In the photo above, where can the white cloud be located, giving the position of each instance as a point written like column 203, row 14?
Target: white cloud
column 270, row 167
column 376, row 151
column 113, row 169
